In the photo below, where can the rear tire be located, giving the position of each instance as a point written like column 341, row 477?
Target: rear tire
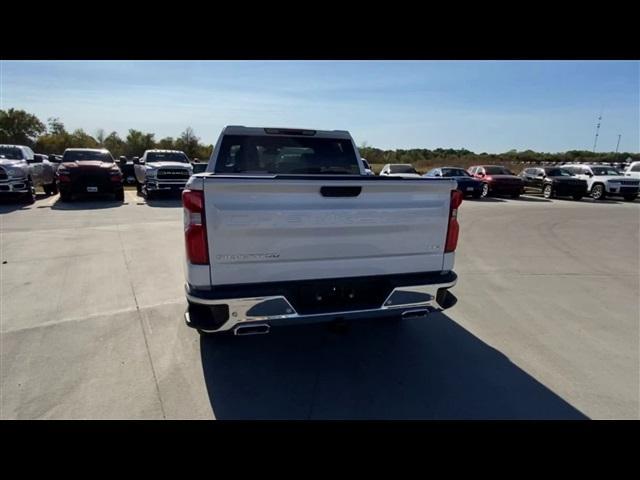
column 30, row 197
column 597, row 192
column 485, row 190
column 547, row 191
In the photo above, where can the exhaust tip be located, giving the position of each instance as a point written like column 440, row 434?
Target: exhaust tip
column 419, row 312
column 255, row 329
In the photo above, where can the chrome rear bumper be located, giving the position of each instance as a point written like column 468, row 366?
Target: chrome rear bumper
column 276, row 309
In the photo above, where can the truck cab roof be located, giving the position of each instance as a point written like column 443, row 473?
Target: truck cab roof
column 282, row 131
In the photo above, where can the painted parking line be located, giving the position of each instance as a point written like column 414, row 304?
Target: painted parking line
column 49, row 201
column 131, row 196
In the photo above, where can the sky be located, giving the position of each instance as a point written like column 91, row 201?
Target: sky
column 483, row 106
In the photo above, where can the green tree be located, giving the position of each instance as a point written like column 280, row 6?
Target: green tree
column 203, row 152
column 188, row 142
column 114, row 144
column 20, row 127
column 166, row 143
column 56, row 140
column 80, row 139
column 137, row 142
column 56, row 127
column 52, row 143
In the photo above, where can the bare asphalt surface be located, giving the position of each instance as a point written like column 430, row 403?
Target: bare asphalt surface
column 547, row 324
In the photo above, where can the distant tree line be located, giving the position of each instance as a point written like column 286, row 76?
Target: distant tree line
column 22, row 128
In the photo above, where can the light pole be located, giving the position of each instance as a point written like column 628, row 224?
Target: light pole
column 619, row 135
column 595, row 141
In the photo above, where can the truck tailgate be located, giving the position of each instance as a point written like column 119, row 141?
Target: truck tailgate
column 280, row 229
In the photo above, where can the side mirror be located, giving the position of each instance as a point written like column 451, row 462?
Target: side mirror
column 588, row 174
column 541, row 175
column 438, row 174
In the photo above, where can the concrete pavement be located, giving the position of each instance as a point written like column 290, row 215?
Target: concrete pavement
column 546, row 326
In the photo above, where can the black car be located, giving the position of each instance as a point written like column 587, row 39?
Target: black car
column 199, row 167
column 128, row 173
column 554, row 182
column 466, row 183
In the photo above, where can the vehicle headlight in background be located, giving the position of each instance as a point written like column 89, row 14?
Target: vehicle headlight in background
column 16, row 173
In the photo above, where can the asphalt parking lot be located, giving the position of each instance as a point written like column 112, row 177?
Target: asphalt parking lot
column 547, row 324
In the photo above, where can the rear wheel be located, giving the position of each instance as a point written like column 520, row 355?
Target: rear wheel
column 50, row 189
column 597, row 192
column 485, row 190
column 30, row 196
column 547, row 191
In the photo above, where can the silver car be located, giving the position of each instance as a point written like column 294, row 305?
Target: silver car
column 21, row 171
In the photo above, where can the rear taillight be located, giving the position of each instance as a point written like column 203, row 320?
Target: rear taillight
column 454, row 227
column 195, row 230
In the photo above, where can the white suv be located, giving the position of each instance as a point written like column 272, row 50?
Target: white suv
column 603, row 181
column 399, row 170
column 633, row 170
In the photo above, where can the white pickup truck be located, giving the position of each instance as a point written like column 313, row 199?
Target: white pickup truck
column 285, row 227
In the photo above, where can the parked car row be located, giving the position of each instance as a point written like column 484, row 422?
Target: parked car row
column 87, row 171
column 82, row 171
column 570, row 180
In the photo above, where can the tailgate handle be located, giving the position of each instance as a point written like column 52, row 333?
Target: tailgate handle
column 340, row 191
